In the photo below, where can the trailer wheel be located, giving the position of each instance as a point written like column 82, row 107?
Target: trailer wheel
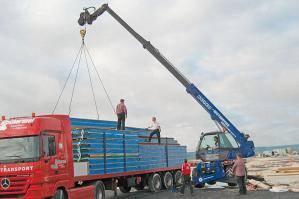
column 59, row 194
column 99, row 190
column 155, row 182
column 125, row 189
column 167, row 180
column 178, row 178
column 140, row 187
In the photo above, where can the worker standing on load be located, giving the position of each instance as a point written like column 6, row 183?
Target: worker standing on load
column 186, row 170
column 155, row 128
column 239, row 171
column 121, row 111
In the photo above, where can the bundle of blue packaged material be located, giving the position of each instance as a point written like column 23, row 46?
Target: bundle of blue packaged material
column 107, row 150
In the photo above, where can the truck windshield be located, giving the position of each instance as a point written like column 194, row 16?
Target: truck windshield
column 23, row 149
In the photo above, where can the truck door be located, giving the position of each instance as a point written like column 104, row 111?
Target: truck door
column 50, row 168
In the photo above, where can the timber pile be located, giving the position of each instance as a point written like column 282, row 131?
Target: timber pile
column 259, row 185
column 290, row 170
column 280, row 173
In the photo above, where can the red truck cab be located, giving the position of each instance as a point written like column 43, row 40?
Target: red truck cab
column 36, row 157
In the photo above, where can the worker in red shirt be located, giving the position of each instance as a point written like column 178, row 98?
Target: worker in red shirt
column 121, row 112
column 186, row 170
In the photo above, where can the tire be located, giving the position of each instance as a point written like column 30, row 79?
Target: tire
column 211, row 182
column 155, row 182
column 200, row 185
column 59, row 194
column 99, row 190
column 178, row 178
column 125, row 189
column 231, row 184
column 140, row 186
column 167, row 180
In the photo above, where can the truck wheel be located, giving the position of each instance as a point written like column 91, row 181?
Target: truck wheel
column 59, row 194
column 99, row 190
column 211, row 182
column 167, row 180
column 125, row 189
column 155, row 182
column 178, row 178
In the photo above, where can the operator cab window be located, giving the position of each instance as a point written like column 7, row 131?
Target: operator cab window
column 209, row 142
column 227, row 141
column 49, row 145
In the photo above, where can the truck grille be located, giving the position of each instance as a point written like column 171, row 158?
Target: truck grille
column 15, row 184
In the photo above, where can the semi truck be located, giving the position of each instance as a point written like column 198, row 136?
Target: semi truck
column 55, row 156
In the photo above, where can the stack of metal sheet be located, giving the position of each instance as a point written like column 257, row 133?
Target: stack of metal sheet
column 107, row 150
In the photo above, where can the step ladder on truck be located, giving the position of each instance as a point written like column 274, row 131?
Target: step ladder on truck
column 216, row 161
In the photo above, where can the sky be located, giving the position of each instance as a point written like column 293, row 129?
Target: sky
column 243, row 55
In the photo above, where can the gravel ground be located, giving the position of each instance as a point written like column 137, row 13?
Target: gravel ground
column 205, row 193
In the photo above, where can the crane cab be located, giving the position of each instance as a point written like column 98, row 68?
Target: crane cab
column 216, row 146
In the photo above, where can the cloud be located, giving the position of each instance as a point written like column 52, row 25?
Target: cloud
column 242, row 55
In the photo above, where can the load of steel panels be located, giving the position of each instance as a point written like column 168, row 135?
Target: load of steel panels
column 107, row 150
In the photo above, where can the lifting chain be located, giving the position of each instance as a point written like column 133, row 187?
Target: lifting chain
column 85, row 52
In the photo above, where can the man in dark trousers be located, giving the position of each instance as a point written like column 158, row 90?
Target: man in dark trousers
column 121, row 111
column 186, row 170
column 155, row 128
column 239, row 171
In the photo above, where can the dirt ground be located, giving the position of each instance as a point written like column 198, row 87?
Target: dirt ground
column 206, row 194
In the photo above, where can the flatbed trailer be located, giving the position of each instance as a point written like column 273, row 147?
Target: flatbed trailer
column 54, row 156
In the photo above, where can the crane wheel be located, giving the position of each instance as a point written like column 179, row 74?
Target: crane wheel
column 211, row 182
column 231, row 184
column 200, row 185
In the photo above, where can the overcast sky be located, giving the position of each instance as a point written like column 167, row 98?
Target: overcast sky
column 243, row 55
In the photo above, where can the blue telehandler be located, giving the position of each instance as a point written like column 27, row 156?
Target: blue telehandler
column 215, row 150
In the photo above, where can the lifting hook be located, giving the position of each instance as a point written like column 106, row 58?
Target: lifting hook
column 83, row 33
